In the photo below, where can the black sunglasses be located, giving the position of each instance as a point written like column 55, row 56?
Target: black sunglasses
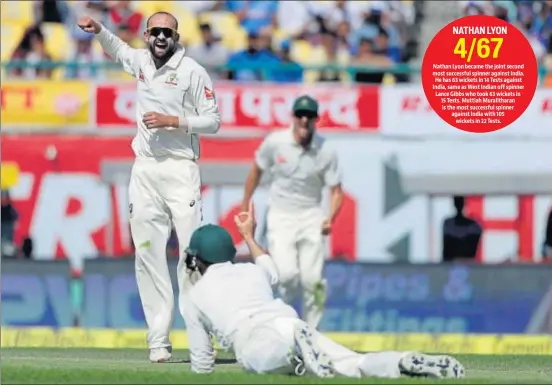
column 167, row 32
column 306, row 114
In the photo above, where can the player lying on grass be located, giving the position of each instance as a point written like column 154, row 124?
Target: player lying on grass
column 235, row 302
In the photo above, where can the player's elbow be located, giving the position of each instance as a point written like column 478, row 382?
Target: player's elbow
column 255, row 172
column 216, row 124
column 337, row 191
column 204, row 124
column 254, row 177
column 213, row 123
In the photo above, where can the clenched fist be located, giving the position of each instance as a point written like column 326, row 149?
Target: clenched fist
column 87, row 24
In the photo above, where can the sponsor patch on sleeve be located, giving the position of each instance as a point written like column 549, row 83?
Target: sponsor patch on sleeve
column 209, row 94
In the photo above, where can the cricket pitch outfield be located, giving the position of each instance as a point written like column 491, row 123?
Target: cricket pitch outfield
column 130, row 366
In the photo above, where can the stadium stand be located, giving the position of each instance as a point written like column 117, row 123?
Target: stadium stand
column 18, row 12
column 317, row 32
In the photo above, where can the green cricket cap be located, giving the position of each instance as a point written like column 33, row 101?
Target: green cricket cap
column 212, row 244
column 305, row 103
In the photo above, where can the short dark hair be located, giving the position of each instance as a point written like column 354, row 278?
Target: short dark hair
column 163, row 13
column 383, row 32
column 205, row 27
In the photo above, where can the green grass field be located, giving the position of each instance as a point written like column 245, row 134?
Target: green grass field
column 126, row 366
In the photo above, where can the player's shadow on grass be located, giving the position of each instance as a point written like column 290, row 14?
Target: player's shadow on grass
column 218, row 361
column 226, row 361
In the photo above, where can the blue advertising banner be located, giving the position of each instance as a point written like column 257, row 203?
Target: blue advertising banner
column 361, row 298
column 439, row 298
column 37, row 293
column 110, row 295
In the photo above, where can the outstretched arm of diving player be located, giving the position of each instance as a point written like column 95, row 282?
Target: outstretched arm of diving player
column 245, row 221
column 202, row 352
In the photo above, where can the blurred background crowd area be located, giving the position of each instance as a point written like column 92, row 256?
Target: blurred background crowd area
column 218, row 34
column 234, row 38
column 221, row 34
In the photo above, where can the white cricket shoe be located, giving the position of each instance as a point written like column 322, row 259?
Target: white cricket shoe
column 419, row 364
column 314, row 360
column 160, row 354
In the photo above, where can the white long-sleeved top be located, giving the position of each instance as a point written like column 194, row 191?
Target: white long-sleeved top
column 180, row 88
column 229, row 300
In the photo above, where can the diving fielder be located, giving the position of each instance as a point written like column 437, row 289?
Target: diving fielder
column 301, row 165
column 175, row 103
column 236, row 302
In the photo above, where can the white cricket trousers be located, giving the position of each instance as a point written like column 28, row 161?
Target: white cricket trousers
column 267, row 349
column 296, row 244
column 161, row 191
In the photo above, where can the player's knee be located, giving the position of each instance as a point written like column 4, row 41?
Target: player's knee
column 289, row 285
column 315, row 289
column 139, row 263
column 311, row 282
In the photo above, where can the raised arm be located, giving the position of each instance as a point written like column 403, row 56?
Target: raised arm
column 245, row 221
column 117, row 49
column 207, row 120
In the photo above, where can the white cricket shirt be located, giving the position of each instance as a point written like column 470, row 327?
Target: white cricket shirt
column 298, row 175
column 180, row 88
column 228, row 300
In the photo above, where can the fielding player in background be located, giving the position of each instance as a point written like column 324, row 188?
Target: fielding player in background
column 175, row 103
column 236, row 302
column 301, row 165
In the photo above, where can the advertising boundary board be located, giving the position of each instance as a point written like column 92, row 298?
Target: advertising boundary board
column 70, row 214
column 136, row 339
column 361, row 298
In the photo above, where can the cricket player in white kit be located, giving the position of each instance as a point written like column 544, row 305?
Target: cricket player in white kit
column 301, row 165
column 175, row 103
column 236, row 302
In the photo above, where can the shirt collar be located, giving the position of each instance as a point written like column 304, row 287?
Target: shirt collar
column 174, row 61
column 216, row 266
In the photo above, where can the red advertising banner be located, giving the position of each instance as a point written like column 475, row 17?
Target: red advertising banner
column 66, row 209
column 69, row 212
column 259, row 107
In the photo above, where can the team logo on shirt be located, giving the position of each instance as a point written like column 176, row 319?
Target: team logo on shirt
column 172, row 79
column 280, row 159
column 141, row 76
column 209, row 94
